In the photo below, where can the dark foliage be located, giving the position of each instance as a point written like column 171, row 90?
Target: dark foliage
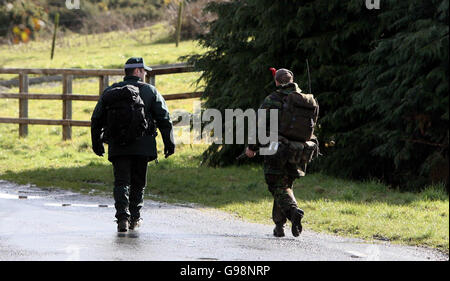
column 381, row 78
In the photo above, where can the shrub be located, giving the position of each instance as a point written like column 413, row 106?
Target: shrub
column 194, row 18
column 380, row 76
column 21, row 20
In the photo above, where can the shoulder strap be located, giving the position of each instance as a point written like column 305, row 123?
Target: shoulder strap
column 139, row 84
column 316, row 113
column 150, row 119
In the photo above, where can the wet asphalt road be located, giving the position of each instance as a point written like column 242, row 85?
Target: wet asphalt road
column 41, row 228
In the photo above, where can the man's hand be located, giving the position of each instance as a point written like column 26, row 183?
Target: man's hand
column 96, row 137
column 98, row 149
column 169, row 149
column 250, row 153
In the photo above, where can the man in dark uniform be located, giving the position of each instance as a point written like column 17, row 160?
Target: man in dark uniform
column 130, row 161
column 278, row 171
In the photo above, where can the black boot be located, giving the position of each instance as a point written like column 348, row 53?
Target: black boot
column 135, row 223
column 278, row 231
column 296, row 220
column 122, row 225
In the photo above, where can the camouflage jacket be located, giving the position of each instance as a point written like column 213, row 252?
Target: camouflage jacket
column 275, row 101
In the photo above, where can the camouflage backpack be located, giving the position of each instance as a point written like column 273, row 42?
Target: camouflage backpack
column 299, row 116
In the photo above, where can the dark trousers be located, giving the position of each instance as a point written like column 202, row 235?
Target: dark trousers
column 281, row 187
column 130, row 179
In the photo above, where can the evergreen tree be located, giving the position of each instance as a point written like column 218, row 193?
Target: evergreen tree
column 405, row 88
column 365, row 85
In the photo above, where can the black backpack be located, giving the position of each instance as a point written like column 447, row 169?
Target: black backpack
column 299, row 116
column 125, row 115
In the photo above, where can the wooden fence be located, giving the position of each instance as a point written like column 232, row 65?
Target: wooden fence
column 67, row 96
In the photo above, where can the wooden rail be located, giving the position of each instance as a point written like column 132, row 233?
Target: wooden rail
column 67, row 96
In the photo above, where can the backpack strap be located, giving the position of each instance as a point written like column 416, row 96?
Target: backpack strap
column 279, row 96
column 317, row 111
column 151, row 122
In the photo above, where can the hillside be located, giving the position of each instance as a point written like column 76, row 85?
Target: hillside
column 86, row 16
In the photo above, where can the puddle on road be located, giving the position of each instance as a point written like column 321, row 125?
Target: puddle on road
column 208, row 259
column 15, row 196
column 8, row 196
column 68, row 205
column 130, row 234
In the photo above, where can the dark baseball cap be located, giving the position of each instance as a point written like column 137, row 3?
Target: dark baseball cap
column 136, row 63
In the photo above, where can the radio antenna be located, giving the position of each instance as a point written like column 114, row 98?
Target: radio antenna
column 309, row 76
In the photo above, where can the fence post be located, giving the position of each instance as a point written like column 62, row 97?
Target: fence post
column 104, row 83
column 179, row 23
column 23, row 104
column 67, row 105
column 152, row 80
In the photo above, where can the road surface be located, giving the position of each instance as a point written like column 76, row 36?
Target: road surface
column 60, row 225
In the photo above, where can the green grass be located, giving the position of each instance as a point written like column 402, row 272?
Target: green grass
column 108, row 50
column 367, row 210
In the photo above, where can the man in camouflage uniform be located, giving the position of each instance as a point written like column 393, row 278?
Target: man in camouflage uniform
column 278, row 171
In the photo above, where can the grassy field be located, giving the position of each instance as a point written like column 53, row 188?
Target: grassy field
column 108, row 50
column 368, row 210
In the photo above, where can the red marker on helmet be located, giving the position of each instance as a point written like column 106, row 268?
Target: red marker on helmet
column 273, row 71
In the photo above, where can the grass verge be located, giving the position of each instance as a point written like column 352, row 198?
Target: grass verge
column 367, row 210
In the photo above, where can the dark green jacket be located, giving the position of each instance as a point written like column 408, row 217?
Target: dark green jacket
column 155, row 109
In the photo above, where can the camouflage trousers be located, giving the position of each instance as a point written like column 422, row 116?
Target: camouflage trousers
column 280, row 174
column 281, row 187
